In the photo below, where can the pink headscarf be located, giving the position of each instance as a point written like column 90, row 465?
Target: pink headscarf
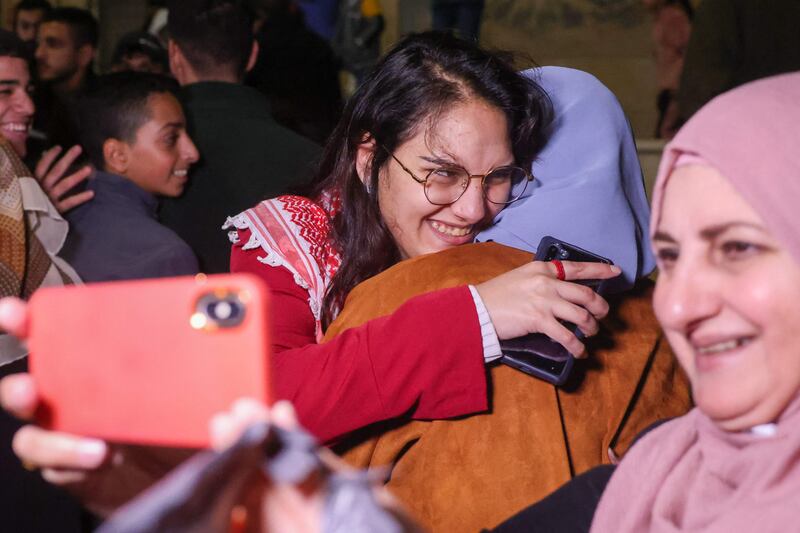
column 751, row 135
column 688, row 474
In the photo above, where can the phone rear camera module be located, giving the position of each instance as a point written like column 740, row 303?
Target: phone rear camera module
column 557, row 251
column 219, row 310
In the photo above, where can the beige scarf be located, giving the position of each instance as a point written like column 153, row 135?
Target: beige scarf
column 31, row 233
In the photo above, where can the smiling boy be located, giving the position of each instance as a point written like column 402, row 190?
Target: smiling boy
column 133, row 130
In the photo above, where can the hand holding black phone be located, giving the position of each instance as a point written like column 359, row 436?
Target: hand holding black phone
column 537, row 354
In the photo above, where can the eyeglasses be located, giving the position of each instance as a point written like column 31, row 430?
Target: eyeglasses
column 446, row 184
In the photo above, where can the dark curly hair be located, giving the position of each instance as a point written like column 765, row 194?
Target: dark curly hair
column 422, row 77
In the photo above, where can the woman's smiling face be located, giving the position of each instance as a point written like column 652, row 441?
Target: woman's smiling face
column 728, row 298
column 472, row 135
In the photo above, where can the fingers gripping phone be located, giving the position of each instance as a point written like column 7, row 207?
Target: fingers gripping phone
column 150, row 361
column 537, row 354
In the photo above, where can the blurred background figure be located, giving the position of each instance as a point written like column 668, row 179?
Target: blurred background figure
column 320, row 16
column 28, row 14
column 66, row 49
column 297, row 70
column 142, row 52
column 357, row 41
column 244, row 153
column 65, row 54
column 460, row 16
column 734, row 42
column 157, row 23
column 671, row 30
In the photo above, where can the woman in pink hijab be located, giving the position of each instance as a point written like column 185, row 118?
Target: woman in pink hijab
column 727, row 240
column 726, row 236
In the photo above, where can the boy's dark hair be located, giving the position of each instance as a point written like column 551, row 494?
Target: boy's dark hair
column 213, row 35
column 116, row 107
column 81, row 22
column 13, row 46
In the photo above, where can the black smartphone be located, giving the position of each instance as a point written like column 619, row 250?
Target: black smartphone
column 537, row 354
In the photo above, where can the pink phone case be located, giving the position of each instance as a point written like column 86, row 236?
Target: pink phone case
column 150, row 361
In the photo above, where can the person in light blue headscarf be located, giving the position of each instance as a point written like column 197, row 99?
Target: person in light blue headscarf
column 588, row 188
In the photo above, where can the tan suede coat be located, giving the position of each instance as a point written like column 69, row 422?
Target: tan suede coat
column 471, row 473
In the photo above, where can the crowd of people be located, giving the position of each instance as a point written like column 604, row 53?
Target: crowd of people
column 399, row 259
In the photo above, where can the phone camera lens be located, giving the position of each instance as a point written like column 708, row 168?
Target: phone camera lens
column 221, row 310
column 557, row 251
column 224, row 310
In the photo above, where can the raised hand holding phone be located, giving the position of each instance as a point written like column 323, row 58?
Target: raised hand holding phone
column 537, row 354
column 105, row 475
column 530, row 299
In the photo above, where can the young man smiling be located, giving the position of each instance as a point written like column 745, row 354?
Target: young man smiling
column 16, row 107
column 31, row 228
column 29, row 235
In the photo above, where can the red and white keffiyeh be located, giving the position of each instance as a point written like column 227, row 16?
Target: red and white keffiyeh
column 294, row 233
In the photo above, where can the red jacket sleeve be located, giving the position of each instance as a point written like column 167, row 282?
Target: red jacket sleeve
column 408, row 363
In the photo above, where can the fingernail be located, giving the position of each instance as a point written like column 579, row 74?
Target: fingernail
column 615, row 269
column 91, row 452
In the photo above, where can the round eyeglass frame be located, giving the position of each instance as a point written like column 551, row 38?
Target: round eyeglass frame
column 424, row 182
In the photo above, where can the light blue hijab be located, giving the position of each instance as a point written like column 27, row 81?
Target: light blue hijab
column 588, row 188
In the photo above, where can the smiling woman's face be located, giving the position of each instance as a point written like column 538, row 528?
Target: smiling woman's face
column 728, row 298
column 472, row 135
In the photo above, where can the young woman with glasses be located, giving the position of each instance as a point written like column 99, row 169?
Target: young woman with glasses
column 428, row 151
column 466, row 127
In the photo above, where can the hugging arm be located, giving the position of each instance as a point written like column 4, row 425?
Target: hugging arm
column 425, row 359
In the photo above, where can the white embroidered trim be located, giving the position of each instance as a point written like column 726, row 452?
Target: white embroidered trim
column 253, row 242
column 241, row 222
column 316, row 308
column 300, row 281
column 271, row 259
